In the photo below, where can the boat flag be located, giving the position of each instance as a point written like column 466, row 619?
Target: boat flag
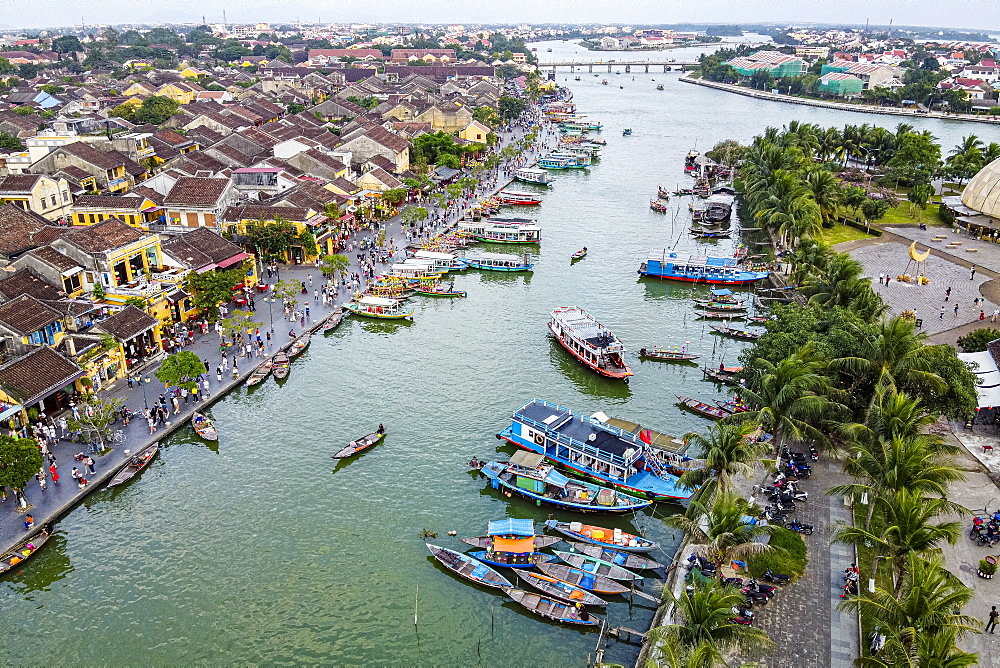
column 644, row 437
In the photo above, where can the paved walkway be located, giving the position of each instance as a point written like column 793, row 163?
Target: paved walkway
column 56, row 500
column 987, row 253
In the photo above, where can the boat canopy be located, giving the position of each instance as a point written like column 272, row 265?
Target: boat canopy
column 693, row 260
column 511, row 527
column 721, row 292
column 526, row 459
column 514, row 546
column 433, row 255
column 499, row 256
column 377, row 301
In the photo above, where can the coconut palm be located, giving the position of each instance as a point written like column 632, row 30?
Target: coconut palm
column 810, row 257
column 907, row 528
column 970, row 149
column 727, row 450
column 926, row 606
column 866, row 303
column 990, row 153
column 838, row 283
column 825, row 190
column 668, row 652
column 717, row 530
column 790, row 398
column 706, row 612
column 895, row 414
column 879, row 145
column 829, row 142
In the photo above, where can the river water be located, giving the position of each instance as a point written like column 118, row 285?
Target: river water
column 256, row 552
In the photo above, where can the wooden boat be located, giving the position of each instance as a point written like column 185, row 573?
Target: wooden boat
column 700, row 407
column 720, row 315
column 260, row 373
column 758, row 319
column 299, row 345
column 736, row 333
column 378, row 307
column 627, row 132
column 659, row 86
column 551, row 608
column 658, row 206
column 726, row 375
column 561, row 590
column 21, row 552
column 615, row 539
column 136, row 463
column 662, row 192
column 590, row 342
column 468, row 567
column 436, row 290
column 597, row 566
column 512, row 560
column 280, row 365
column 719, row 305
column 334, row 319
column 617, row 557
column 589, row 581
column 579, row 255
column 541, row 540
column 363, row 443
column 204, row 427
column 710, row 235
column 518, row 198
column 665, row 355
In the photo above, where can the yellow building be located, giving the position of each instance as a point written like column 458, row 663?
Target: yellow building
column 139, row 88
column 181, row 92
column 138, row 212
column 475, row 131
column 239, row 219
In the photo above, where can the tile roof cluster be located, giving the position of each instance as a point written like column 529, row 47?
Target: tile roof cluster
column 27, row 282
column 18, row 183
column 109, row 234
column 201, row 247
column 38, row 374
column 196, row 191
column 22, row 230
column 104, row 159
column 25, row 314
column 128, row 323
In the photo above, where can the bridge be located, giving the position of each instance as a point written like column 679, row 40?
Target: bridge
column 667, row 65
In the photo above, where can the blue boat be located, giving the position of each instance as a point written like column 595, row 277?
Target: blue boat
column 551, row 162
column 698, row 269
column 597, row 450
column 511, row 542
column 527, row 476
column 468, row 567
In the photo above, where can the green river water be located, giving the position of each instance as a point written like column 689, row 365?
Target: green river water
column 258, row 553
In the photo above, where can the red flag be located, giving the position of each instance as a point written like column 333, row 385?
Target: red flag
column 644, row 436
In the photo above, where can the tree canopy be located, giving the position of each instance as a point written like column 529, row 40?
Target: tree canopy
column 20, row 460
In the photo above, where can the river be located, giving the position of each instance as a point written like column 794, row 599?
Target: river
column 259, row 552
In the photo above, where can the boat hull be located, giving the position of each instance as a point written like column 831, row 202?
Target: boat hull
column 702, row 279
column 564, row 529
column 523, row 267
column 490, row 240
column 618, row 375
column 379, row 316
column 536, row 558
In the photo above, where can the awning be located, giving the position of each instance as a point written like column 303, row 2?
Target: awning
column 239, row 257
column 11, row 411
column 511, row 527
column 987, row 378
column 176, row 296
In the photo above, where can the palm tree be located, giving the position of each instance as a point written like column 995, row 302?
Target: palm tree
column 893, row 355
column 926, row 606
column 728, row 450
column 829, row 142
column 706, row 612
column 990, row 153
column 907, row 529
column 838, row 284
column 810, row 258
column 879, row 144
column 667, row 652
column 825, row 190
column 970, row 148
column 718, row 532
column 895, row 414
column 790, row 398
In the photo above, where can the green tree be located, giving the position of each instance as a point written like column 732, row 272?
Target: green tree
column 727, row 450
column 976, row 341
column 180, row 370
column 915, row 152
column 335, row 264
column 9, row 143
column 919, row 194
column 717, row 530
column 874, row 210
column 295, row 108
column 96, row 416
column 273, row 238
column 414, row 214
column 155, row 110
column 20, row 461
column 238, row 321
column 126, row 111
column 25, row 110
column 394, row 196
column 288, row 291
column 212, row 288
column 510, row 108
column 67, row 44
column 486, row 114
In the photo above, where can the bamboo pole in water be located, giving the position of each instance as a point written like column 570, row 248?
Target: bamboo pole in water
column 416, row 604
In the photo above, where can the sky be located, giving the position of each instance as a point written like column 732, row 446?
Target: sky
column 974, row 14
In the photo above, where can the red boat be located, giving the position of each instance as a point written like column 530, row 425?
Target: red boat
column 521, row 199
column 590, row 342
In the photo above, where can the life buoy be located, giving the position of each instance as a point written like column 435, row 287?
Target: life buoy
column 540, row 439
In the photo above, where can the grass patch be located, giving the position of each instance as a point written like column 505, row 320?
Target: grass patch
column 904, row 214
column 787, row 558
column 840, row 233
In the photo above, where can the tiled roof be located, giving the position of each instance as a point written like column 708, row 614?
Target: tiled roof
column 108, row 202
column 128, row 323
column 196, row 191
column 262, row 212
column 324, row 159
column 75, row 172
column 25, row 315
column 383, row 162
column 27, row 282
column 22, row 230
column 388, row 139
column 148, row 193
column 385, row 177
column 54, row 258
column 37, row 374
column 199, row 247
column 18, row 183
column 93, row 156
column 104, row 236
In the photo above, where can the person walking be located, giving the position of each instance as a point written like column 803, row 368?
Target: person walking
column 54, row 473
column 177, row 406
column 996, row 313
column 90, row 465
column 972, row 274
column 941, row 315
column 194, row 392
column 956, row 310
column 204, row 388
column 29, row 522
column 40, row 477
column 991, row 623
column 218, row 373
column 184, row 394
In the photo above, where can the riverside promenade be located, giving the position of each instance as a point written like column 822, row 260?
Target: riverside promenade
column 842, row 106
column 57, row 499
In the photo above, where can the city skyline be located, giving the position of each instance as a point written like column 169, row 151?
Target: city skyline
column 966, row 14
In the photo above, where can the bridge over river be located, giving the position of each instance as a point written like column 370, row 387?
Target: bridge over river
column 667, row 65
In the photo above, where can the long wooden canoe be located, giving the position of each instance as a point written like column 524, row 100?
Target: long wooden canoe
column 21, row 552
column 588, row 533
column 574, row 576
column 597, row 566
column 700, row 407
column 551, row 608
column 204, row 427
column 136, row 463
column 736, row 333
column 561, row 590
column 260, row 373
column 664, row 355
column 624, row 559
column 299, row 346
column 280, row 366
column 363, row 443
column 334, row 319
column 720, row 315
column 465, row 566
column 511, row 560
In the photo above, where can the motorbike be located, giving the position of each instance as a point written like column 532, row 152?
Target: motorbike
column 776, row 578
column 799, row 527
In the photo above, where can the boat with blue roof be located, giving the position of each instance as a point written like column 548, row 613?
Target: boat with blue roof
column 698, row 269
column 511, row 542
column 526, row 475
column 636, row 461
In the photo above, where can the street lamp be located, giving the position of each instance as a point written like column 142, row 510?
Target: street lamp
column 142, row 383
column 270, row 312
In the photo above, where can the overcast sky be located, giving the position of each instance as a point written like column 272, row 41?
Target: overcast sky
column 977, row 14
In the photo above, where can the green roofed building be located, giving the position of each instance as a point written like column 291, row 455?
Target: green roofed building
column 775, row 63
column 840, row 84
column 837, row 66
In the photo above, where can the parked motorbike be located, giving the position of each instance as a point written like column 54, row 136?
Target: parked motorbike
column 776, row 578
column 799, row 527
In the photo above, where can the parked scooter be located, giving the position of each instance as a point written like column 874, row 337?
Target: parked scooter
column 776, row 578
column 799, row 527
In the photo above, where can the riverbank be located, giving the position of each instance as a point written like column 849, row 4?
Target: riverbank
column 841, row 106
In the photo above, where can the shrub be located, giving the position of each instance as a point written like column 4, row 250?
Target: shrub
column 975, row 342
column 787, row 557
column 987, row 567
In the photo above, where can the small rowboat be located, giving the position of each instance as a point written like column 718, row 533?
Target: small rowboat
column 280, row 366
column 487, row 541
column 334, row 319
column 260, row 373
column 204, row 427
column 617, row 557
column 615, row 539
column 662, row 192
column 736, row 333
column 136, row 463
column 710, row 235
column 720, row 315
column 298, row 346
column 597, row 566
column 471, row 569
column 438, row 292
column 579, row 255
column 664, row 355
column 561, row 590
column 725, row 375
column 512, row 560
column 551, row 608
column 574, row 576
column 21, row 552
column 658, row 206
column 700, row 407
column 363, row 443
column 717, row 305
column 758, row 319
